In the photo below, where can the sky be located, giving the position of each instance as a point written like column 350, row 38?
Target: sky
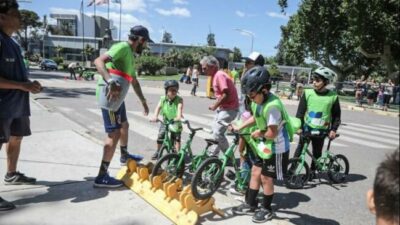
column 190, row 21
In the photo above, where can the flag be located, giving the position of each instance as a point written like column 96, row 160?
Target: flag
column 91, row 3
column 101, row 2
column 117, row 1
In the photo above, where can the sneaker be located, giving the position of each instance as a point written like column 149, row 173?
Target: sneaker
column 263, row 215
column 107, row 182
column 244, row 209
column 5, row 205
column 18, row 178
column 236, row 191
column 124, row 158
column 154, row 156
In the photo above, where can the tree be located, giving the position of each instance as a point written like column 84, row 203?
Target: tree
column 351, row 36
column 149, row 64
column 211, row 39
column 29, row 19
column 59, row 50
column 167, row 38
column 237, row 55
column 88, row 51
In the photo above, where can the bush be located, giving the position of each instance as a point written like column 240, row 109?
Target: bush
column 58, row 60
column 149, row 64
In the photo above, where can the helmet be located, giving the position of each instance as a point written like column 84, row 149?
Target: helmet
column 325, row 73
column 171, row 83
column 255, row 79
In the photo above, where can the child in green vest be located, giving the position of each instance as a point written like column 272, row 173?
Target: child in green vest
column 170, row 106
column 319, row 109
column 272, row 122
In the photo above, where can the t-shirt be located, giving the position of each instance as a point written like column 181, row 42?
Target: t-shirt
column 121, row 58
column 282, row 143
column 13, row 103
column 222, row 82
column 72, row 65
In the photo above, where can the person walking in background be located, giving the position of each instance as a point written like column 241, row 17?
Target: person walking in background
column 14, row 96
column 71, row 67
column 387, row 94
column 189, row 72
column 195, row 79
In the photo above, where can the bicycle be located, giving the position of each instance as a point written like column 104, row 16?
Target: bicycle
column 336, row 166
column 174, row 163
column 208, row 177
column 168, row 144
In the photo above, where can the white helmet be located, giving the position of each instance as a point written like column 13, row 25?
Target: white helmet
column 325, row 73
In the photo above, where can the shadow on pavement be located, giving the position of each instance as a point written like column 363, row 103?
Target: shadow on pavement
column 68, row 92
column 77, row 191
column 33, row 76
column 306, row 219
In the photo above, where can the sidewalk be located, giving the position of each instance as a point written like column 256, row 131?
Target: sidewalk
column 64, row 159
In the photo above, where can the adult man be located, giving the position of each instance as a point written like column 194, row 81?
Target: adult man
column 383, row 199
column 71, row 67
column 119, row 57
column 227, row 103
column 14, row 96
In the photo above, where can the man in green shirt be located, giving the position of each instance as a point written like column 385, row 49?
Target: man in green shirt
column 119, row 58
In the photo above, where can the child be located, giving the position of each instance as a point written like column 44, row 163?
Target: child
column 195, row 79
column 170, row 106
column 383, row 200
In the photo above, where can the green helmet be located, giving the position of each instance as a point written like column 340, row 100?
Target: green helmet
column 325, row 73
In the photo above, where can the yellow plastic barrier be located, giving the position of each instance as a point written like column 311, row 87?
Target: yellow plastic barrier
column 170, row 198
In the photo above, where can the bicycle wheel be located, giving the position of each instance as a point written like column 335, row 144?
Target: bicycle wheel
column 207, row 178
column 338, row 168
column 297, row 174
column 169, row 164
column 164, row 150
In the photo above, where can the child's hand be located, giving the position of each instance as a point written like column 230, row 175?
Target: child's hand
column 257, row 134
column 154, row 119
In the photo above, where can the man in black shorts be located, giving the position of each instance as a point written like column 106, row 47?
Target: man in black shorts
column 14, row 96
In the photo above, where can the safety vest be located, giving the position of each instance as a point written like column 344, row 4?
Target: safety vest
column 318, row 115
column 261, row 116
column 169, row 110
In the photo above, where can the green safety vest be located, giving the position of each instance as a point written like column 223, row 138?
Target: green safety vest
column 260, row 113
column 318, row 115
column 169, row 111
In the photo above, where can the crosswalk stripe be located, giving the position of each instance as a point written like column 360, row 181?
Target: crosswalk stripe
column 369, row 137
column 355, row 129
column 364, row 142
column 373, row 128
column 386, row 126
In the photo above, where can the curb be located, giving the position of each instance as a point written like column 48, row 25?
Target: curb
column 379, row 112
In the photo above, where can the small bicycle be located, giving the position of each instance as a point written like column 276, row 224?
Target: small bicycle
column 208, row 177
column 336, row 166
column 167, row 145
column 174, row 163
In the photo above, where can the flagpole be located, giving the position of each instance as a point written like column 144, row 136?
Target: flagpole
column 83, row 32
column 108, row 14
column 95, row 35
column 120, row 13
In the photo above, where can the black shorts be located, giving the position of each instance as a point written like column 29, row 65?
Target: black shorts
column 18, row 127
column 175, row 137
column 386, row 99
column 276, row 166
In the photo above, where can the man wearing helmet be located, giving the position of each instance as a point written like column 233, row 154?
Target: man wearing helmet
column 319, row 109
column 119, row 57
column 227, row 103
column 271, row 120
column 170, row 106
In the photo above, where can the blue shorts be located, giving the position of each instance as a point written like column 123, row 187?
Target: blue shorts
column 113, row 120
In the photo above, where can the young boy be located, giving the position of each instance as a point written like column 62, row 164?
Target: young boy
column 269, row 116
column 383, row 200
column 170, row 106
column 319, row 110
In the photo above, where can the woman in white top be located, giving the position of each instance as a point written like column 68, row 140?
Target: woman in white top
column 195, row 79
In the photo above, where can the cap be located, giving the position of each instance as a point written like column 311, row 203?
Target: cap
column 256, row 57
column 142, row 31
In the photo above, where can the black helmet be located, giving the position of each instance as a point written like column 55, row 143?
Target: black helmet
column 171, row 83
column 255, row 79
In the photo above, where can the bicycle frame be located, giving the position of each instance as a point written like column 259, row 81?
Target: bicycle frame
column 322, row 162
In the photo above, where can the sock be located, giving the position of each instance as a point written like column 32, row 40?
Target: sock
column 251, row 197
column 103, row 168
column 124, row 150
column 267, row 200
column 10, row 174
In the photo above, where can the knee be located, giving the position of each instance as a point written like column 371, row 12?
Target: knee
column 125, row 125
column 15, row 139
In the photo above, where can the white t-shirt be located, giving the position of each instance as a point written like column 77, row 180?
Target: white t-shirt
column 282, row 143
column 195, row 73
column 72, row 65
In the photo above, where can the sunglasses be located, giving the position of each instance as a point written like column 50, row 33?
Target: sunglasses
column 252, row 95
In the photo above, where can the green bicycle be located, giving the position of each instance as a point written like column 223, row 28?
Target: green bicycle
column 208, row 177
column 174, row 163
column 336, row 166
column 167, row 145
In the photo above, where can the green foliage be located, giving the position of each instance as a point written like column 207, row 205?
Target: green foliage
column 59, row 50
column 273, row 70
column 88, row 51
column 149, row 64
column 29, row 19
column 58, row 60
column 211, row 40
column 237, row 55
column 167, row 38
column 186, row 57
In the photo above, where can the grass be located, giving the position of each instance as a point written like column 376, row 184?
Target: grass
column 160, row 77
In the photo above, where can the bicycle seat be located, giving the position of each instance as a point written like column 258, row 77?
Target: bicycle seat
column 211, row 141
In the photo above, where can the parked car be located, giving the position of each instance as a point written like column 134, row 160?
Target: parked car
column 48, row 64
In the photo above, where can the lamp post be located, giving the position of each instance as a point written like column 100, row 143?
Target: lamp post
column 247, row 33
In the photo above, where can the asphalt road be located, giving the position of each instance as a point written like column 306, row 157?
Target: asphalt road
column 365, row 139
